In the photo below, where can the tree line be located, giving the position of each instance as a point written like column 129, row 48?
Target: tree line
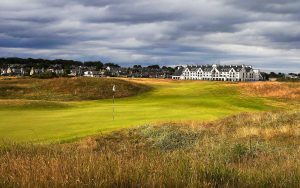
column 45, row 63
column 66, row 64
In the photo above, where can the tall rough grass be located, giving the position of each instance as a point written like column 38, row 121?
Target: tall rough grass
column 246, row 150
column 283, row 90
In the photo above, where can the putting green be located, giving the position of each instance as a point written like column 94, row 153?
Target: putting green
column 168, row 101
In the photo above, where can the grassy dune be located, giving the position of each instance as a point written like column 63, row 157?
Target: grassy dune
column 245, row 150
column 67, row 89
column 56, row 120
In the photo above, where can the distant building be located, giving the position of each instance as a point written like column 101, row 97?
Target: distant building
column 218, row 73
column 272, row 79
column 13, row 71
column 92, row 74
column 292, row 76
column 76, row 72
column 3, row 71
column 34, row 71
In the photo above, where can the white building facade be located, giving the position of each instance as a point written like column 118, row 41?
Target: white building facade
column 218, row 73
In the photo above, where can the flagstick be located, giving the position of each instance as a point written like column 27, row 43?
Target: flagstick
column 113, row 106
column 113, row 112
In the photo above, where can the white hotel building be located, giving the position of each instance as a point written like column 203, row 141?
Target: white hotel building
column 218, row 73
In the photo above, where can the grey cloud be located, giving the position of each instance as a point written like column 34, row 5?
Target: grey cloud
column 272, row 6
column 158, row 31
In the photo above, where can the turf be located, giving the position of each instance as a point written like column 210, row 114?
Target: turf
column 42, row 121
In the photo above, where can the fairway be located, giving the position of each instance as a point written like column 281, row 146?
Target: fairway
column 168, row 101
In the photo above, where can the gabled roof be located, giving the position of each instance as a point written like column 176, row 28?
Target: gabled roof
column 206, row 68
column 193, row 68
column 224, row 68
column 178, row 72
column 209, row 68
column 237, row 68
column 248, row 69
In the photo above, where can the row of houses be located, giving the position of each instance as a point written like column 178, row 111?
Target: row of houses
column 25, row 71
column 218, row 73
column 78, row 71
column 122, row 72
column 108, row 71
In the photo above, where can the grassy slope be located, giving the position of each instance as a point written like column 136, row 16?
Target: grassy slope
column 169, row 101
column 67, row 89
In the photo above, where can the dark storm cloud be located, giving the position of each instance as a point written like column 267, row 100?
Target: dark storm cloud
column 263, row 33
column 269, row 6
column 11, row 42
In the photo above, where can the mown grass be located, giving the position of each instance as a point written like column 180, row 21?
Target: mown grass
column 244, row 150
column 40, row 121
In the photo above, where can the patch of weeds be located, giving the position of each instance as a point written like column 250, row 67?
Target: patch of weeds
column 241, row 152
column 238, row 151
column 169, row 137
column 220, row 176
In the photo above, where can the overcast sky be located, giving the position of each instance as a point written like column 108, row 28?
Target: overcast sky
column 264, row 33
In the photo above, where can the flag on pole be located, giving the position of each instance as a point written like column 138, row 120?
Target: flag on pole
column 114, row 90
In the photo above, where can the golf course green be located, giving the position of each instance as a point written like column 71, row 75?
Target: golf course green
column 60, row 121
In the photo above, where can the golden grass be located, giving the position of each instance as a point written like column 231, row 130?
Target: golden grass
column 281, row 90
column 266, row 133
column 245, row 150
